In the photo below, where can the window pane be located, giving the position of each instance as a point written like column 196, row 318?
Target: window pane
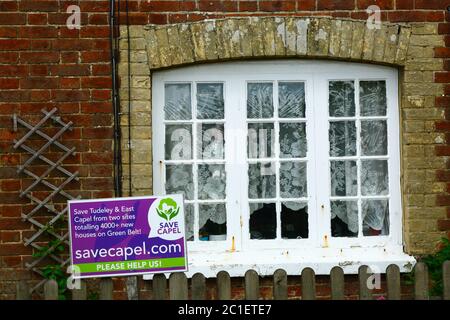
column 342, row 98
column 263, row 221
column 211, row 181
column 375, row 214
column 344, row 175
column 262, row 180
column 212, row 222
column 261, row 140
column 178, row 142
column 210, row 144
column 177, row 101
column 210, row 103
column 373, row 138
column 292, row 140
column 189, row 221
column 259, row 100
column 179, row 180
column 374, row 177
column 344, row 218
column 294, row 220
column 342, row 138
column 372, row 97
column 293, row 179
column 291, row 97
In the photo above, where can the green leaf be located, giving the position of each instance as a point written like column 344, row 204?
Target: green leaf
column 174, row 214
column 162, row 215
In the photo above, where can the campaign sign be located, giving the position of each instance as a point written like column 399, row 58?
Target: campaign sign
column 127, row 236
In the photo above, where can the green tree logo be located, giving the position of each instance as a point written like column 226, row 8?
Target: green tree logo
column 167, row 209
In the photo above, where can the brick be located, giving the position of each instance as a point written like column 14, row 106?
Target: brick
column 12, row 18
column 404, row 4
column 8, row 44
column 41, row 57
column 442, row 52
column 250, row 6
column 38, row 32
column 39, row 83
column 432, row 4
column 335, row 5
column 100, row 171
column 8, row 6
column 97, row 183
column 444, row 28
column 94, row 32
column 442, row 77
column 101, row 70
column 443, row 101
column 37, row 18
column 306, row 5
column 95, row 56
column 97, row 158
column 96, row 107
column 10, row 185
column 444, row 225
column 41, row 45
column 70, row 70
column 415, row 16
column 101, row 19
column 69, row 83
column 38, row 5
column 101, row 94
column 8, row 32
column 70, row 95
column 12, row 250
column 97, row 133
column 383, row 4
column 69, row 57
column 6, row 83
column 96, row 82
column 276, row 6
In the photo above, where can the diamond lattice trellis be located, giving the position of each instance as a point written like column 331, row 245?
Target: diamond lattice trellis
column 56, row 212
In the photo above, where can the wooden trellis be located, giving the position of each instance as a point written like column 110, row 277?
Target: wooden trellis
column 43, row 179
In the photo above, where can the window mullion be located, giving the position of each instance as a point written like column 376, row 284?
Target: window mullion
column 358, row 154
column 195, row 162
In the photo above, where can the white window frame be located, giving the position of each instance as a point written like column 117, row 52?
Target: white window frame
column 320, row 251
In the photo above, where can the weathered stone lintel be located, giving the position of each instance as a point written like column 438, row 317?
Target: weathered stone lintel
column 234, row 38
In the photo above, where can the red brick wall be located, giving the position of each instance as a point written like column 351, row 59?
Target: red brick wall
column 43, row 64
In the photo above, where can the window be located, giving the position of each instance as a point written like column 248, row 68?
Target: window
column 280, row 155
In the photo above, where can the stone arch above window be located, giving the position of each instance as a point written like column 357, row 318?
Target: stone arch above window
column 258, row 37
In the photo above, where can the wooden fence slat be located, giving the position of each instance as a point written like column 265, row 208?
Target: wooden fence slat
column 446, row 279
column 159, row 287
column 251, row 285
column 178, row 286
column 80, row 294
column 132, row 286
column 280, row 291
column 393, row 282
column 198, row 287
column 51, row 290
column 364, row 292
column 337, row 283
column 308, row 284
column 106, row 289
column 421, row 281
column 223, row 286
column 23, row 290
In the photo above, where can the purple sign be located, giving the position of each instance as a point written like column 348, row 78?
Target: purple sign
column 127, row 236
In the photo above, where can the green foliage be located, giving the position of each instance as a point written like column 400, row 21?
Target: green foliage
column 57, row 273
column 54, row 271
column 168, row 209
column 434, row 263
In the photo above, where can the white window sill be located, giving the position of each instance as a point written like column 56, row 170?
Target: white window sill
column 321, row 261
